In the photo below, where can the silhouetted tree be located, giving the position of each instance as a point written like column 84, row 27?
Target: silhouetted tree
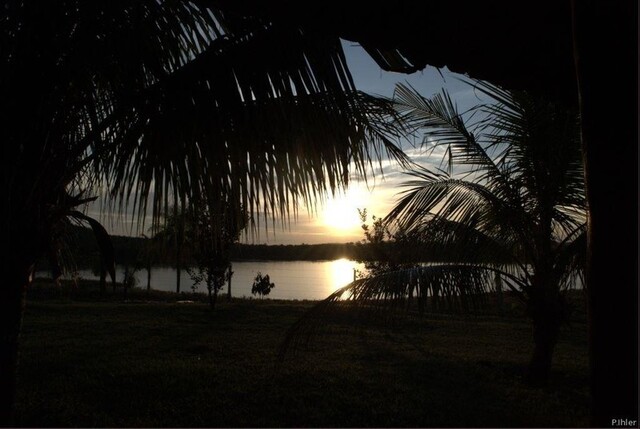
column 211, row 237
column 512, row 209
column 149, row 254
column 228, row 277
column 155, row 103
column 386, row 250
column 262, row 285
column 171, row 238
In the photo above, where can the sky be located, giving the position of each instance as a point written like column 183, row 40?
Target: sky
column 336, row 220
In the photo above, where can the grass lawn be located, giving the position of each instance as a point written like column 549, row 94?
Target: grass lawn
column 165, row 364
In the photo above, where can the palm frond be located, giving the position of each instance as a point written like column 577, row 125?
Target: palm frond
column 161, row 101
column 442, row 124
column 543, row 147
column 467, row 203
column 571, row 258
column 451, row 241
column 178, row 99
column 266, row 155
column 107, row 253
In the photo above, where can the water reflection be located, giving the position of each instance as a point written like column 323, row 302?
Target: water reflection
column 341, row 273
column 293, row 279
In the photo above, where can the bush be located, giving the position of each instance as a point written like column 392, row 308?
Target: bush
column 262, row 285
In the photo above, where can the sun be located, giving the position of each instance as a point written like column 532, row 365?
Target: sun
column 340, row 213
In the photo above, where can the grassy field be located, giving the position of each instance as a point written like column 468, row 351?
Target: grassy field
column 86, row 362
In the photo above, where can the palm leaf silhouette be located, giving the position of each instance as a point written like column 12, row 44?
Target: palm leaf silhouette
column 510, row 214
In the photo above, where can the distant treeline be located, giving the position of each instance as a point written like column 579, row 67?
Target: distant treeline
column 81, row 251
column 301, row 252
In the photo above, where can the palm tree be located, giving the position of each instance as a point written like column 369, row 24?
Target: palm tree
column 509, row 210
column 153, row 103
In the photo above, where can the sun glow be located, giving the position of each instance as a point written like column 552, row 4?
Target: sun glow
column 340, row 213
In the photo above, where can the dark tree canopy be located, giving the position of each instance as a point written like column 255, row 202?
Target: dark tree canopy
column 520, row 45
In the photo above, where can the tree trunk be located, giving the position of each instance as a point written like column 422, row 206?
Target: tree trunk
column 213, row 295
column 103, row 280
column 179, row 242
column 612, row 191
column 229, row 276
column 148, row 276
column 178, row 269
column 499, row 295
column 11, row 311
column 125, row 281
column 547, row 309
column 546, row 327
column 211, row 287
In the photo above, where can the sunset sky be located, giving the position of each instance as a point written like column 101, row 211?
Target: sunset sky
column 336, row 220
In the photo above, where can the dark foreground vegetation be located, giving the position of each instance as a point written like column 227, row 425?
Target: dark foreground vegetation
column 151, row 361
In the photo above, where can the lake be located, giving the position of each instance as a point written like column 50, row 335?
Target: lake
column 293, row 279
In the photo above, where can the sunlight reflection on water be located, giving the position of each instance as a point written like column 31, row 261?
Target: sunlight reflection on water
column 293, row 279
